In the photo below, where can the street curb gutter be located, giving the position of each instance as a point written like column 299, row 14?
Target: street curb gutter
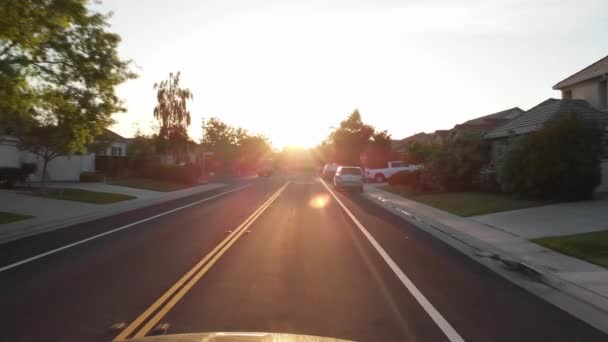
column 57, row 224
column 595, row 301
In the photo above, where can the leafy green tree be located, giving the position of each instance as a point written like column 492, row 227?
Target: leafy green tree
column 350, row 139
column 173, row 115
column 59, row 66
column 379, row 150
column 234, row 146
column 560, row 161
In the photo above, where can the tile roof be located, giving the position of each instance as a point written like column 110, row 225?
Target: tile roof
column 596, row 69
column 537, row 116
column 490, row 121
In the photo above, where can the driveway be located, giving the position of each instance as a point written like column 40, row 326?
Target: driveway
column 551, row 220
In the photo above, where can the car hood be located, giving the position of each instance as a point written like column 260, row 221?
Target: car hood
column 236, row 337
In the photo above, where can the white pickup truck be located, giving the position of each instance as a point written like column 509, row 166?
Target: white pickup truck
column 381, row 175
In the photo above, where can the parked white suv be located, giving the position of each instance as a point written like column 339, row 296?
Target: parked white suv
column 329, row 171
column 381, row 175
column 349, row 177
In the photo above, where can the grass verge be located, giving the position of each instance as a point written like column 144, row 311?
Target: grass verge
column 148, row 184
column 466, row 203
column 86, row 196
column 592, row 247
column 12, row 217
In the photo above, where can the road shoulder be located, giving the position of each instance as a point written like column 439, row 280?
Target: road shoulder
column 514, row 258
column 57, row 214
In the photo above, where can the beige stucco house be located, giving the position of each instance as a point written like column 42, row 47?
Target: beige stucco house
column 589, row 84
column 584, row 93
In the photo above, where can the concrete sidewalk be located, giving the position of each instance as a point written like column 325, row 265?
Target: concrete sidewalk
column 579, row 279
column 551, row 220
column 50, row 214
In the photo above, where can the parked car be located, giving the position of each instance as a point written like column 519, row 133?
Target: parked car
column 349, row 177
column 329, row 171
column 265, row 168
column 381, row 175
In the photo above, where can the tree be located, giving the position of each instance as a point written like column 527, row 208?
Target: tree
column 218, row 133
column 58, row 66
column 142, row 146
column 560, row 161
column 48, row 142
column 234, row 146
column 379, row 150
column 350, row 139
column 173, row 115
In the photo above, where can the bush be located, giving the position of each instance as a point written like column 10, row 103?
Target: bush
column 409, row 178
column 560, row 161
column 455, row 165
column 91, row 177
column 488, row 178
column 188, row 174
column 28, row 168
column 11, row 175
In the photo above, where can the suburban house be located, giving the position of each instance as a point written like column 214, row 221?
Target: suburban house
column 584, row 93
column 481, row 124
column 589, row 84
column 488, row 122
column 113, row 144
column 535, row 119
column 61, row 168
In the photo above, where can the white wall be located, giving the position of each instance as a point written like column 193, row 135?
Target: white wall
column 9, row 152
column 588, row 90
column 62, row 168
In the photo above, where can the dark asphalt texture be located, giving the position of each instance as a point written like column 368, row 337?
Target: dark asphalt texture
column 301, row 269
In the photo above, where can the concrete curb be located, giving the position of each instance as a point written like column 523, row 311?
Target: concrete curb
column 60, row 223
column 482, row 249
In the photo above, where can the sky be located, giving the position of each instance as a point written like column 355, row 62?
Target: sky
column 292, row 70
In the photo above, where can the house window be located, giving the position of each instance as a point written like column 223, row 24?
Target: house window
column 116, row 151
column 604, row 94
column 567, row 94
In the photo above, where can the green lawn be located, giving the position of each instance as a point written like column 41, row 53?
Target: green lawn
column 12, row 217
column 466, row 203
column 592, row 247
column 148, row 184
column 86, row 196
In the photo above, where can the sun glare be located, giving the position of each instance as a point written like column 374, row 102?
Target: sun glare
column 319, row 201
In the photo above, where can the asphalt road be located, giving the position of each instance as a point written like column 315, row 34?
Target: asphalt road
column 278, row 255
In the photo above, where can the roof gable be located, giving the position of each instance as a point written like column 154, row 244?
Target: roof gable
column 596, row 69
column 112, row 136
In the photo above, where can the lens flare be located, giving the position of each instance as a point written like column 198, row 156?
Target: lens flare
column 319, row 201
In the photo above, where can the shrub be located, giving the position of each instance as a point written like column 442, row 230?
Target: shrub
column 186, row 174
column 456, row 164
column 11, row 175
column 91, row 177
column 28, row 168
column 488, row 178
column 409, row 178
column 560, row 161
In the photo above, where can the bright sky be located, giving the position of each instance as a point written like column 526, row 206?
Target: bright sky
column 293, row 69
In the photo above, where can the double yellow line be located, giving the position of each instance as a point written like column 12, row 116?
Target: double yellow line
column 168, row 300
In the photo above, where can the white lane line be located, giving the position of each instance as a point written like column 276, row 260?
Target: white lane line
column 42, row 255
column 441, row 322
